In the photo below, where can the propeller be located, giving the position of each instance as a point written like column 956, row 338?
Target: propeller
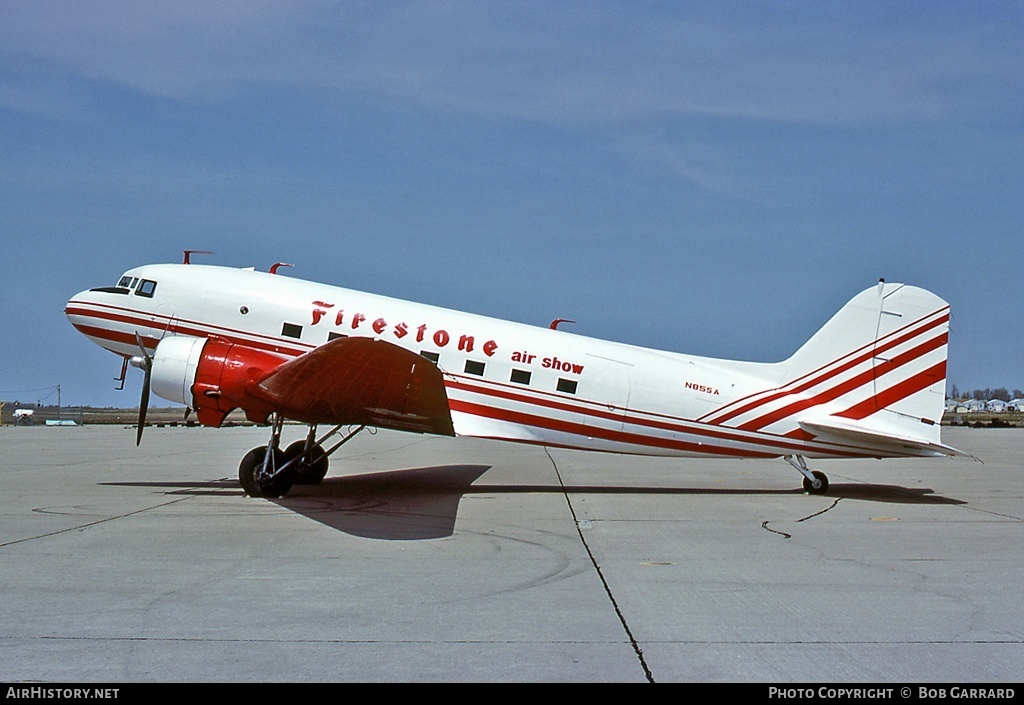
column 144, row 363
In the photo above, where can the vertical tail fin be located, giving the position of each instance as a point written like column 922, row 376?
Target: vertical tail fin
column 876, row 373
column 877, row 368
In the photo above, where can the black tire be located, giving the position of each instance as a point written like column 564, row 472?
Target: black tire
column 247, row 475
column 822, row 479
column 306, row 473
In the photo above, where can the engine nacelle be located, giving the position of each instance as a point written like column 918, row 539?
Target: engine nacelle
column 174, row 368
column 211, row 375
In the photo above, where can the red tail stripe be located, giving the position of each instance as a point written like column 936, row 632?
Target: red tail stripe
column 817, row 376
column 848, row 386
column 922, row 380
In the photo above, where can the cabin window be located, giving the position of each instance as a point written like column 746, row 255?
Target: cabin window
column 568, row 386
column 292, row 330
column 146, row 288
column 432, row 356
column 334, row 336
column 521, row 376
column 474, row 367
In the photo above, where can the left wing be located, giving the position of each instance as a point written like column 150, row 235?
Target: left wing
column 360, row 381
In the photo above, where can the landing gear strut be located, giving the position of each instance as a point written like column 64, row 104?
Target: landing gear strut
column 815, row 481
column 268, row 471
column 263, row 471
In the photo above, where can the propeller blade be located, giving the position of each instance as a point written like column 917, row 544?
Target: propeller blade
column 142, row 348
column 146, row 363
column 144, row 404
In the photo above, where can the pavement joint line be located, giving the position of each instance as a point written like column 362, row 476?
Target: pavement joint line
column 261, row 640
column 600, row 573
column 752, row 642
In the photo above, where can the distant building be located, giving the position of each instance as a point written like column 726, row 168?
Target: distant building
column 995, row 405
column 974, row 405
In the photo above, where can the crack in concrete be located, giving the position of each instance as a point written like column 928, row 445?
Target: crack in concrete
column 783, row 534
column 86, row 525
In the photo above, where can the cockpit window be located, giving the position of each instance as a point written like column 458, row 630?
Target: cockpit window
column 125, row 282
column 146, row 288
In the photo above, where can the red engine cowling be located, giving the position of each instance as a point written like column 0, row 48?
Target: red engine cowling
column 212, row 375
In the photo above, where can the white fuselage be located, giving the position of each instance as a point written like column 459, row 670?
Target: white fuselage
column 503, row 379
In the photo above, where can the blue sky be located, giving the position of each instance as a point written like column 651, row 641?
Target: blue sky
column 714, row 178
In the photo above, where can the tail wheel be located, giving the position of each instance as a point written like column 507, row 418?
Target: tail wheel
column 253, row 462
column 819, row 485
column 306, row 472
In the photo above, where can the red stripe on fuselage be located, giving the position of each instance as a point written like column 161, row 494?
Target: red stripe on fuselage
column 180, row 326
column 661, row 422
column 114, row 336
column 578, row 429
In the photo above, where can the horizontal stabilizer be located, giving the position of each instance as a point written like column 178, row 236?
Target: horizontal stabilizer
column 885, row 440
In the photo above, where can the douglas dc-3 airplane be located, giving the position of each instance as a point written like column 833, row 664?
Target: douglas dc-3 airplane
column 870, row 383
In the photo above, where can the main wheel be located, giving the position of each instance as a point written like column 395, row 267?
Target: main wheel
column 251, row 462
column 307, row 473
column 820, row 484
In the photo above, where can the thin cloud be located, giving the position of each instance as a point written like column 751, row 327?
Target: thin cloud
column 570, row 64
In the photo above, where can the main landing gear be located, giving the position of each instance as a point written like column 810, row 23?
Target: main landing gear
column 268, row 471
column 815, row 481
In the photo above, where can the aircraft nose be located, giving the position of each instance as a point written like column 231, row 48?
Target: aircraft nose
column 90, row 313
column 105, row 316
column 83, row 300
column 75, row 309
column 80, row 296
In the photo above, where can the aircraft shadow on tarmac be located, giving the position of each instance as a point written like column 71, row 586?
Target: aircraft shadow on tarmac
column 397, row 505
column 422, row 503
